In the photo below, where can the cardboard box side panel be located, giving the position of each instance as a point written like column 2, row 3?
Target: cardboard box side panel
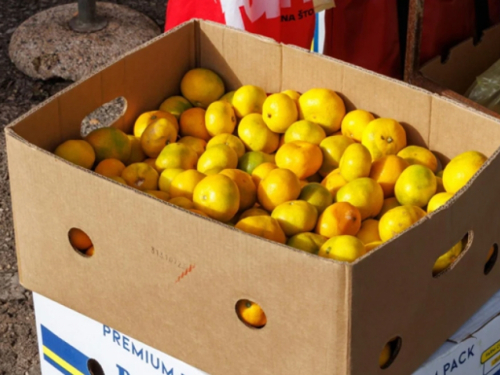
column 303, row 71
column 409, row 106
column 113, row 81
column 456, row 129
column 40, row 127
column 439, row 305
column 359, row 88
column 73, row 108
column 148, row 260
column 238, row 57
column 154, row 72
column 465, row 62
column 113, row 86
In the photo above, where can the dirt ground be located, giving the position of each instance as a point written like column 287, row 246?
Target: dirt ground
column 19, row 93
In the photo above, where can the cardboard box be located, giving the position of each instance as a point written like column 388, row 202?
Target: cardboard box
column 474, row 349
column 324, row 317
column 465, row 62
column 455, row 74
column 67, row 339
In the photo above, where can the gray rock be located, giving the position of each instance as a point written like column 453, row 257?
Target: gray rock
column 10, row 289
column 45, row 47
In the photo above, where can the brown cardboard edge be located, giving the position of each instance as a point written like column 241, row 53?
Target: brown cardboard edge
column 384, row 244
column 236, row 30
column 348, row 304
column 347, row 266
column 11, row 136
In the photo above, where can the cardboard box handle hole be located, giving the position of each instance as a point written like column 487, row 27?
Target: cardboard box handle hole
column 447, row 261
column 104, row 116
column 491, row 259
column 81, row 242
column 251, row 314
column 94, row 367
column 390, row 352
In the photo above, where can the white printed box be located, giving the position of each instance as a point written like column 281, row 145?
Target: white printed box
column 73, row 344
column 474, row 349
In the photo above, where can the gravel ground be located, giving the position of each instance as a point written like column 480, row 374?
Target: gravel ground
column 19, row 93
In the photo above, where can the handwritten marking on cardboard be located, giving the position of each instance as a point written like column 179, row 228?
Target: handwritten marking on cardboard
column 168, row 258
column 186, row 272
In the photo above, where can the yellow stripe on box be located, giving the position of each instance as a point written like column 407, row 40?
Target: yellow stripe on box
column 490, row 352
column 61, row 362
column 495, row 361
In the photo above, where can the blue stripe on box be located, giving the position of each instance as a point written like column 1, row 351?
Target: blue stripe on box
column 64, row 351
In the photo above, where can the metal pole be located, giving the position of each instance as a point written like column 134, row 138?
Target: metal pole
column 87, row 20
column 414, row 38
